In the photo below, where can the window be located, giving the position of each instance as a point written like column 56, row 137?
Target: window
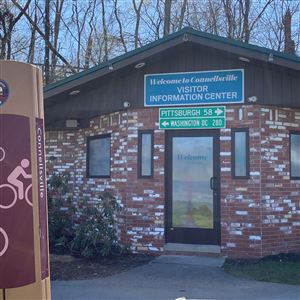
column 98, row 156
column 145, row 154
column 240, row 153
column 295, row 154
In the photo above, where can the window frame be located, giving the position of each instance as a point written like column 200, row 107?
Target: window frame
column 233, row 132
column 292, row 132
column 140, row 134
column 90, row 138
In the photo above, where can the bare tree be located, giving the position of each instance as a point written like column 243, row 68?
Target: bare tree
column 152, row 18
column 58, row 6
column 245, row 9
column 230, row 17
column 8, row 21
column 167, row 16
column 79, row 20
column 137, row 9
column 289, row 44
column 213, row 11
column 32, row 44
column 105, row 35
column 182, row 13
column 89, row 46
column 247, row 24
column 274, row 22
column 116, row 13
column 66, row 39
column 42, row 34
column 47, row 37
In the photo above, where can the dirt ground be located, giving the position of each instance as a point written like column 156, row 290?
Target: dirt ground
column 66, row 267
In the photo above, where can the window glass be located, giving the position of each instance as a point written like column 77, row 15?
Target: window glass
column 295, row 155
column 99, row 157
column 145, row 154
column 240, row 154
column 192, row 169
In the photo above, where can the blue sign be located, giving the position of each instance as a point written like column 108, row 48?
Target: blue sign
column 208, row 87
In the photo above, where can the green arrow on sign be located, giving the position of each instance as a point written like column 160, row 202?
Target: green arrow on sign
column 209, row 117
column 218, row 111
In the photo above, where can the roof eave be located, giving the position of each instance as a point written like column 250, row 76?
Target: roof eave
column 184, row 35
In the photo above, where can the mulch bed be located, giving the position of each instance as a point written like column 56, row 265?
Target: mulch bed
column 65, row 267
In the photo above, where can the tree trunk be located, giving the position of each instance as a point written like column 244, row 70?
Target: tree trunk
column 289, row 44
column 105, row 37
column 182, row 13
column 229, row 18
column 58, row 11
column 42, row 34
column 246, row 29
column 137, row 10
column 167, row 17
column 31, row 51
column 120, row 25
column 47, row 38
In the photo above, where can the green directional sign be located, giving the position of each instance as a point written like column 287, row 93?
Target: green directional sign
column 208, row 117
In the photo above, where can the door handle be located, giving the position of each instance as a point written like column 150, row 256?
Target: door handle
column 212, row 183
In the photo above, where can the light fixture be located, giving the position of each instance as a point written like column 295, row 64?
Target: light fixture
column 74, row 92
column 244, row 59
column 185, row 37
column 271, row 57
column 72, row 123
column 126, row 104
column 252, row 99
column 140, row 65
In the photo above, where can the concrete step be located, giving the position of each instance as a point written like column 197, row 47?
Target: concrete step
column 190, row 260
column 192, row 249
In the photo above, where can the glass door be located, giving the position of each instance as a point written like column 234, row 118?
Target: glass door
column 192, row 187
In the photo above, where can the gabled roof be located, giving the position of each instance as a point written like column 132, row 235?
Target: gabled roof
column 187, row 34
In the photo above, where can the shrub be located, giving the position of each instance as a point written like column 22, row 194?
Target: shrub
column 60, row 221
column 96, row 235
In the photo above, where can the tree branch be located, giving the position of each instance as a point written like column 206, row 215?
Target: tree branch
column 43, row 36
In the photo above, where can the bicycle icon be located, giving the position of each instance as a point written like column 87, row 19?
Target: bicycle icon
column 14, row 184
column 15, row 195
column 2, row 154
column 5, row 247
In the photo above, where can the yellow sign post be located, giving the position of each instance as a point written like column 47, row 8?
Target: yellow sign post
column 24, row 254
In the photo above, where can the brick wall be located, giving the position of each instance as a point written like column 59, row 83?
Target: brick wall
column 259, row 215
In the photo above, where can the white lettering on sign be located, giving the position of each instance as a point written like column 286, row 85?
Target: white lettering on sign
column 193, row 97
column 41, row 166
column 190, row 88
column 215, row 78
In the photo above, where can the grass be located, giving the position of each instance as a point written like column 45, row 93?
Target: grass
column 268, row 269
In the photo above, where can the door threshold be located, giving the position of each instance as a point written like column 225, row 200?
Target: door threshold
column 192, row 249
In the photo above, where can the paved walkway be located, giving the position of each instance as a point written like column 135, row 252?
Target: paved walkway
column 173, row 277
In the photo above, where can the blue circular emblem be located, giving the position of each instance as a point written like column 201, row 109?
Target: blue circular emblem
column 4, row 92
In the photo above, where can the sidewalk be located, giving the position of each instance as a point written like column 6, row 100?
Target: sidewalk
column 173, row 277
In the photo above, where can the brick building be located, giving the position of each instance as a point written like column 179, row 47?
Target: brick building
column 220, row 173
